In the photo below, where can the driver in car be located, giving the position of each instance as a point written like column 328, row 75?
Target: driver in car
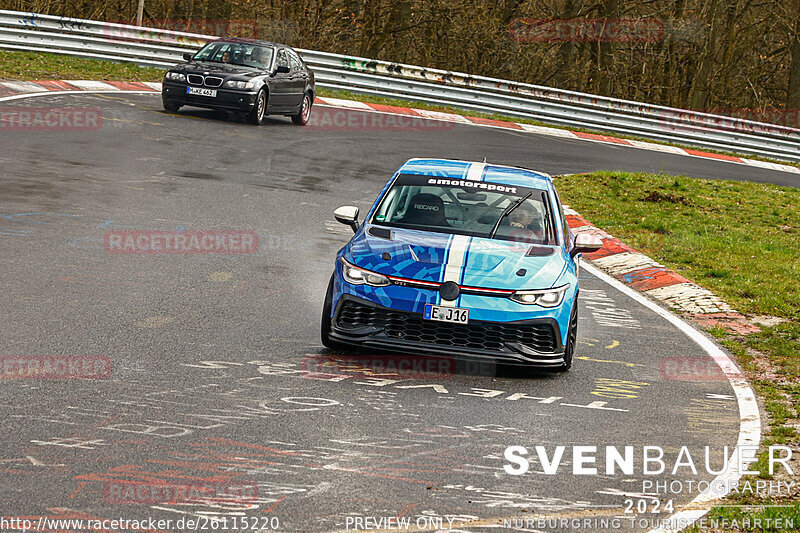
column 521, row 220
column 226, row 57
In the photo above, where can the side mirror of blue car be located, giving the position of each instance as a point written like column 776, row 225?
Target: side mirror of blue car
column 585, row 243
column 347, row 214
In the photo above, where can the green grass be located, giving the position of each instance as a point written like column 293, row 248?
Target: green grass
column 43, row 66
column 739, row 239
column 742, row 241
column 34, row 66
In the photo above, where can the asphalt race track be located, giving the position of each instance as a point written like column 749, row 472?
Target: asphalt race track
column 217, row 371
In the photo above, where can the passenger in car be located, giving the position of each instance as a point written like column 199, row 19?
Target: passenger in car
column 255, row 56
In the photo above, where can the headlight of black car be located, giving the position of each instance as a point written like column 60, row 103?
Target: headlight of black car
column 176, row 76
column 237, row 84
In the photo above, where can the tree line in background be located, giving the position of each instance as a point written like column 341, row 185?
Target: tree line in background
column 739, row 57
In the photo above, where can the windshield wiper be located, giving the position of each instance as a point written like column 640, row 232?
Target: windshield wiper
column 507, row 212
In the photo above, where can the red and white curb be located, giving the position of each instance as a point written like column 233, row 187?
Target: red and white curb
column 11, row 88
column 657, row 281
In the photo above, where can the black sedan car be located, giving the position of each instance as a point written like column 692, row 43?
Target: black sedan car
column 258, row 78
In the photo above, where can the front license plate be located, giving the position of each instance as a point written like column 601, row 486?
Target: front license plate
column 446, row 314
column 202, row 92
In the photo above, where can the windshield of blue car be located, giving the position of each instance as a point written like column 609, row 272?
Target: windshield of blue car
column 464, row 207
column 240, row 54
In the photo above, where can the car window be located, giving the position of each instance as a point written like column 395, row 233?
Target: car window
column 236, row 54
column 295, row 61
column 462, row 207
column 258, row 56
column 566, row 232
column 283, row 60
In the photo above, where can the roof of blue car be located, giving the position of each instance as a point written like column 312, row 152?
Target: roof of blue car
column 454, row 169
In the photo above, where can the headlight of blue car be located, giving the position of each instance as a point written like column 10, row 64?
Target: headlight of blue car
column 359, row 276
column 543, row 297
column 176, row 76
column 236, row 84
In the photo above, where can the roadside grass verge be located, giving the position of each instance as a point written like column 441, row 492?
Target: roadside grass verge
column 741, row 240
column 31, row 66
column 34, row 66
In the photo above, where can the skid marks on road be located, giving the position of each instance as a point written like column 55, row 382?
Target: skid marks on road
column 711, row 414
column 606, row 312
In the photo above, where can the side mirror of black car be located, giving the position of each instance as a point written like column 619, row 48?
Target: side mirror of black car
column 188, row 56
column 282, row 69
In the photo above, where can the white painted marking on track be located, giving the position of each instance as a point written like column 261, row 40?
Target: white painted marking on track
column 749, row 416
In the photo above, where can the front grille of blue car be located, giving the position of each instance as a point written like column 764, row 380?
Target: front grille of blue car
column 478, row 335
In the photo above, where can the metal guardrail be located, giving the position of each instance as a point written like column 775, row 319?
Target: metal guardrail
column 163, row 48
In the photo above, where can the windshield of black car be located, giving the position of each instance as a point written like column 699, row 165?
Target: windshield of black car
column 458, row 206
column 247, row 55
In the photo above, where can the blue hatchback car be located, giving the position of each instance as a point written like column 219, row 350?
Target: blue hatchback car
column 460, row 258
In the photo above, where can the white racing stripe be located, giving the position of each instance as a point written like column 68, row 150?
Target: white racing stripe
column 460, row 243
column 455, row 262
column 475, row 172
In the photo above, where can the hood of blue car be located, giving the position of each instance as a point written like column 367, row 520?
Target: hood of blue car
column 488, row 263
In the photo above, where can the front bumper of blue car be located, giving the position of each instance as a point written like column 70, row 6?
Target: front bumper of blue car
column 531, row 342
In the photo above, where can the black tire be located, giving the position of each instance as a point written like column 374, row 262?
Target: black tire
column 301, row 119
column 256, row 116
column 170, row 106
column 325, row 323
column 572, row 338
